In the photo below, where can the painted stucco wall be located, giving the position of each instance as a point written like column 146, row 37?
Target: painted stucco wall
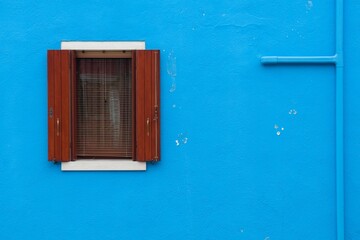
column 247, row 150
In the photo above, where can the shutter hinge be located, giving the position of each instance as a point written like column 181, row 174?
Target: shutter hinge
column 51, row 112
column 156, row 107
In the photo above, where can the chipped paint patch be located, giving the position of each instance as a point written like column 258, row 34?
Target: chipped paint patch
column 278, row 130
column 171, row 70
column 293, row 112
column 309, row 5
column 182, row 139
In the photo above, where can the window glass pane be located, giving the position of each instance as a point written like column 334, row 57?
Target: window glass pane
column 104, row 108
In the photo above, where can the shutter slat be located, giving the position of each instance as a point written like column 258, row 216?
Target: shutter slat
column 73, row 106
column 65, row 105
column 155, row 137
column 148, row 104
column 51, row 105
column 140, row 105
column 57, row 105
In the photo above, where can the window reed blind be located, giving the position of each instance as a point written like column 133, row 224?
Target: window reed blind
column 104, row 108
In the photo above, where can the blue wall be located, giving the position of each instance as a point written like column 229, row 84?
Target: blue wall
column 231, row 176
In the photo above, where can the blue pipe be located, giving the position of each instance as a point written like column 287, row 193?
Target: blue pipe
column 338, row 60
column 299, row 59
column 340, row 205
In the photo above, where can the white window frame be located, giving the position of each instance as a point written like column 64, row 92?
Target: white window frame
column 103, row 164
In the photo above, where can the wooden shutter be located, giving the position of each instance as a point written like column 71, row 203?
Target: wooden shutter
column 147, row 105
column 60, row 72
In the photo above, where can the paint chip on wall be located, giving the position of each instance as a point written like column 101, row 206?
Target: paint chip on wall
column 181, row 140
column 171, row 70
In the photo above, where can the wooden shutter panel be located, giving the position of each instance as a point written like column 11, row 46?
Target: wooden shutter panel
column 147, row 105
column 59, row 104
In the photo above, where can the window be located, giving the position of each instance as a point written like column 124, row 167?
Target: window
column 103, row 104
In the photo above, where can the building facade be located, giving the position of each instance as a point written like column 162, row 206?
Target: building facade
column 247, row 150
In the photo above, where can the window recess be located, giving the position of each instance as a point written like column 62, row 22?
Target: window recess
column 104, row 108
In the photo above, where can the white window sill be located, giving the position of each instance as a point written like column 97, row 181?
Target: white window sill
column 103, row 165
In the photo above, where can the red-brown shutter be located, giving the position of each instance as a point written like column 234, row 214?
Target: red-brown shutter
column 147, row 105
column 60, row 73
